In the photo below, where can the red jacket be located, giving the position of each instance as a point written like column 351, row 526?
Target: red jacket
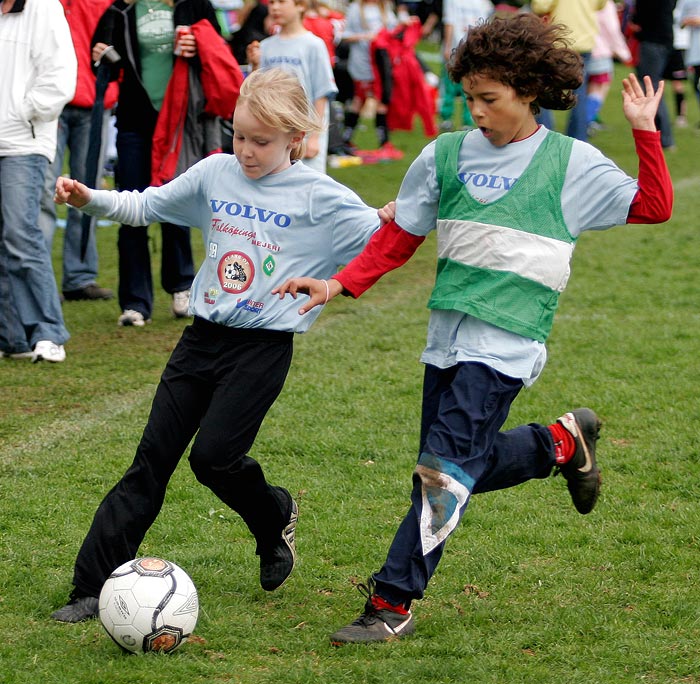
column 82, row 17
column 187, row 99
column 410, row 94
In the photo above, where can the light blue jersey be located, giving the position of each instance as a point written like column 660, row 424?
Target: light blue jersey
column 305, row 55
column 257, row 234
column 690, row 9
column 596, row 195
column 362, row 19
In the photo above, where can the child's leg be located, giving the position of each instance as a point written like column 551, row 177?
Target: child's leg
column 679, row 96
column 598, row 88
column 380, row 124
column 129, row 509
column 386, row 84
column 352, row 114
column 447, row 96
column 252, row 366
column 463, row 409
column 677, row 74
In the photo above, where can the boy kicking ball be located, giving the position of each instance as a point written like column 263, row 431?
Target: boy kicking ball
column 508, row 200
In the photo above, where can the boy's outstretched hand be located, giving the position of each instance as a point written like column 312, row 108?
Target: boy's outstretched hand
column 319, row 291
column 640, row 105
column 73, row 192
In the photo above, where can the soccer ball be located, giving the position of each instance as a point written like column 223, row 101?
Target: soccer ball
column 149, row 604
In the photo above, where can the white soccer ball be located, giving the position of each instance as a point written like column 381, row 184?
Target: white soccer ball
column 149, row 604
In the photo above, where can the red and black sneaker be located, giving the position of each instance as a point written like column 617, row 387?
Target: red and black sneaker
column 581, row 471
column 380, row 621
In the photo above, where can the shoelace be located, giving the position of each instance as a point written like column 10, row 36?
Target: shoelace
column 370, row 616
column 367, row 590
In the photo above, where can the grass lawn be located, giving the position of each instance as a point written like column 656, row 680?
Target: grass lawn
column 528, row 591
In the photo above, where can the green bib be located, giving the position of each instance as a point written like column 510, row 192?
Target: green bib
column 505, row 262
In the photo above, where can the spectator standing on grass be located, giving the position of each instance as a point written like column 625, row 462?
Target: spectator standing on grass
column 38, row 75
column 609, row 43
column 297, row 49
column 262, row 215
column 79, row 280
column 363, row 21
column 143, row 34
column 504, row 251
column 457, row 17
column 654, row 21
column 676, row 71
column 579, row 17
column 689, row 17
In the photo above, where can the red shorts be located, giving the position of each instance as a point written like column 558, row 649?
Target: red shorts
column 364, row 89
column 601, row 79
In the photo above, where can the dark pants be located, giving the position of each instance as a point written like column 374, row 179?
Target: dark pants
column 653, row 58
column 177, row 266
column 462, row 452
column 577, row 125
column 218, row 384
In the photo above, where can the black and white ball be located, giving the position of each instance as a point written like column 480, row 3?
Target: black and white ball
column 149, row 604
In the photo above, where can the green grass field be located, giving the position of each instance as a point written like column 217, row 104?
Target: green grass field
column 528, row 591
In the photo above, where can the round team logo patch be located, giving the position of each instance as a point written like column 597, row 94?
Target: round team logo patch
column 236, row 272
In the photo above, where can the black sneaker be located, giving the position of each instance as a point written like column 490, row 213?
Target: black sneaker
column 276, row 565
column 92, row 291
column 77, row 610
column 375, row 624
column 581, row 472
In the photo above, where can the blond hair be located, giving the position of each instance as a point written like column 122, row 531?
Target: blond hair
column 277, row 98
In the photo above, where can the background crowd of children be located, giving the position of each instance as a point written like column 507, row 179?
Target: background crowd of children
column 356, row 35
column 362, row 64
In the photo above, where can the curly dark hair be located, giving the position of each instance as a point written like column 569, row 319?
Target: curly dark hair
column 523, row 52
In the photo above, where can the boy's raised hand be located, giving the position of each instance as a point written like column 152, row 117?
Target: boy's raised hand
column 640, row 104
column 73, row 192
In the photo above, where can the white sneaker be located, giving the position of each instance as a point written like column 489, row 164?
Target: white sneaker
column 45, row 350
column 131, row 317
column 181, row 304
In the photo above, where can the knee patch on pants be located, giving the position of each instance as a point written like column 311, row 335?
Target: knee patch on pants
column 444, row 492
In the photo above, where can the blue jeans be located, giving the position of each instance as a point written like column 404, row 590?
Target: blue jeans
column 30, row 309
column 464, row 407
column 74, row 135
column 653, row 58
column 177, row 266
column 577, row 125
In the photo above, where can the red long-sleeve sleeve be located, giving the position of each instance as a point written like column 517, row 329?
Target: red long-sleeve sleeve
column 653, row 202
column 390, row 247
